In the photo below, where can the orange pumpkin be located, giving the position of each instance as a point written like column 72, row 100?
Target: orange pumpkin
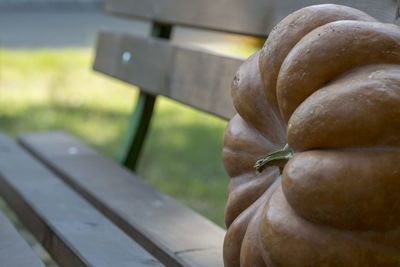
column 327, row 84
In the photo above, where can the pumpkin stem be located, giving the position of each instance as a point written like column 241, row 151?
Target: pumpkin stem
column 278, row 158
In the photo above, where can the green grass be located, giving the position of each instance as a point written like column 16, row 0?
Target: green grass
column 56, row 89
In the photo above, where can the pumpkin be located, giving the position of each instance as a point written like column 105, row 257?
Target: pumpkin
column 319, row 112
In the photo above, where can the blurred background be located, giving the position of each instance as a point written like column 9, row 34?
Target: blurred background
column 47, row 82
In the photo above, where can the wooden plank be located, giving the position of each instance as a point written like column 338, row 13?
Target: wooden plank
column 173, row 233
column 383, row 10
column 250, row 17
column 397, row 19
column 189, row 75
column 14, row 251
column 72, row 230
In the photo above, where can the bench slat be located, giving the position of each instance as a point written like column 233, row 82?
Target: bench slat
column 175, row 234
column 192, row 76
column 14, row 251
column 249, row 17
column 72, row 230
column 383, row 10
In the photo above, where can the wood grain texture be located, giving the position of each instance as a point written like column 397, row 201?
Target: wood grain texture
column 383, row 10
column 191, row 76
column 14, row 251
column 72, row 230
column 173, row 233
column 250, row 17
column 237, row 16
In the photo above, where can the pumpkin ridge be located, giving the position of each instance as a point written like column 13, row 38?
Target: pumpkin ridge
column 289, row 32
column 358, row 109
column 245, row 194
column 251, row 104
column 338, row 46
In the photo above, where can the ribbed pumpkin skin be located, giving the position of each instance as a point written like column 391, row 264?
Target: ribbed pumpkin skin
column 326, row 82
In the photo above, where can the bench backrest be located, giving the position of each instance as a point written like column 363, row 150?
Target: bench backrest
column 248, row 17
column 193, row 76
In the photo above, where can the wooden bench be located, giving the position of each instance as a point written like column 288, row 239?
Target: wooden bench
column 11, row 243
column 90, row 211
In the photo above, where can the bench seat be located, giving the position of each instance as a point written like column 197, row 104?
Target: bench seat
column 176, row 235
column 14, row 251
column 70, row 228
